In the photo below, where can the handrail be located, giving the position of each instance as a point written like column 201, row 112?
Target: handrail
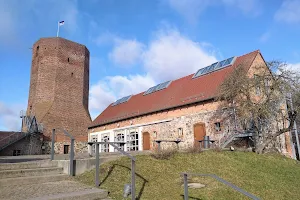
column 133, row 159
column 185, row 174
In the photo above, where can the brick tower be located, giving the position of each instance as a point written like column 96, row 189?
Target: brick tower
column 59, row 89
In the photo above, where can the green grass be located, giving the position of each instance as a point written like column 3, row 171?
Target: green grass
column 266, row 176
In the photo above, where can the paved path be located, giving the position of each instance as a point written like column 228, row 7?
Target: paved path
column 20, row 192
column 45, row 190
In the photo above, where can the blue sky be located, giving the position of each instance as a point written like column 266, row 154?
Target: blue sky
column 135, row 44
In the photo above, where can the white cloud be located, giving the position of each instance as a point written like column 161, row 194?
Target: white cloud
column 100, row 97
column 294, row 67
column 171, row 55
column 289, row 12
column 126, row 52
column 10, row 117
column 127, row 85
column 191, row 9
column 168, row 56
column 112, row 88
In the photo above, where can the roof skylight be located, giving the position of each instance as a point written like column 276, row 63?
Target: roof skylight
column 122, row 100
column 158, row 87
column 214, row 67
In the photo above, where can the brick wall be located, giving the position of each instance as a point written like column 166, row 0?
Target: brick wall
column 59, row 87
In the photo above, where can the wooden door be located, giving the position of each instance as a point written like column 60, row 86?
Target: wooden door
column 199, row 133
column 146, row 141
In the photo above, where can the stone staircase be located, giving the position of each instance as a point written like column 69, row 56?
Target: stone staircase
column 42, row 180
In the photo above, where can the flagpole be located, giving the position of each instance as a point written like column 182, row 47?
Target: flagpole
column 57, row 29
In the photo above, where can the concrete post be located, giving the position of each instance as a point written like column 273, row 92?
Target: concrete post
column 132, row 179
column 186, row 192
column 72, row 158
column 97, row 182
column 52, row 145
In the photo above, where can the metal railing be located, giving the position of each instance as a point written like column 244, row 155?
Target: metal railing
column 72, row 171
column 186, row 193
column 133, row 159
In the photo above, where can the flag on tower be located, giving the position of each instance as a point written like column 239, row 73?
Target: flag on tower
column 59, row 24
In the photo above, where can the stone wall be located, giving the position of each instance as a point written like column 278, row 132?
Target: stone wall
column 30, row 145
column 170, row 130
column 79, row 147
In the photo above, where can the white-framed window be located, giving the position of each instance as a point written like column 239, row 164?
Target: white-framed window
column 94, row 138
column 119, row 137
column 133, row 140
column 105, row 138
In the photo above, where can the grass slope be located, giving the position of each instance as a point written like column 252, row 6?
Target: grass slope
column 266, row 176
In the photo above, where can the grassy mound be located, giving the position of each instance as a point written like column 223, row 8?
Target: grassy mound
column 266, row 176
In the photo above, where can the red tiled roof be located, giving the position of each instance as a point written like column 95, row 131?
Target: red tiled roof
column 180, row 92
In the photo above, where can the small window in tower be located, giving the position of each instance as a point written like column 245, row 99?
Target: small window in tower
column 68, row 59
column 72, row 74
column 218, row 126
column 37, row 50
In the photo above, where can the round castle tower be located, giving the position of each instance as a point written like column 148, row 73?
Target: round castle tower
column 59, row 89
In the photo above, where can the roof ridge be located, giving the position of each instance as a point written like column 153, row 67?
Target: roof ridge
column 257, row 51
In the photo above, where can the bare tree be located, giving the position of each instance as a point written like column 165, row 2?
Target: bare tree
column 259, row 96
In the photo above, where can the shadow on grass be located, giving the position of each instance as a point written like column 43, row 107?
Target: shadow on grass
column 190, row 197
column 111, row 168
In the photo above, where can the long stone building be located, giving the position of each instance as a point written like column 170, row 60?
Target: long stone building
column 184, row 109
